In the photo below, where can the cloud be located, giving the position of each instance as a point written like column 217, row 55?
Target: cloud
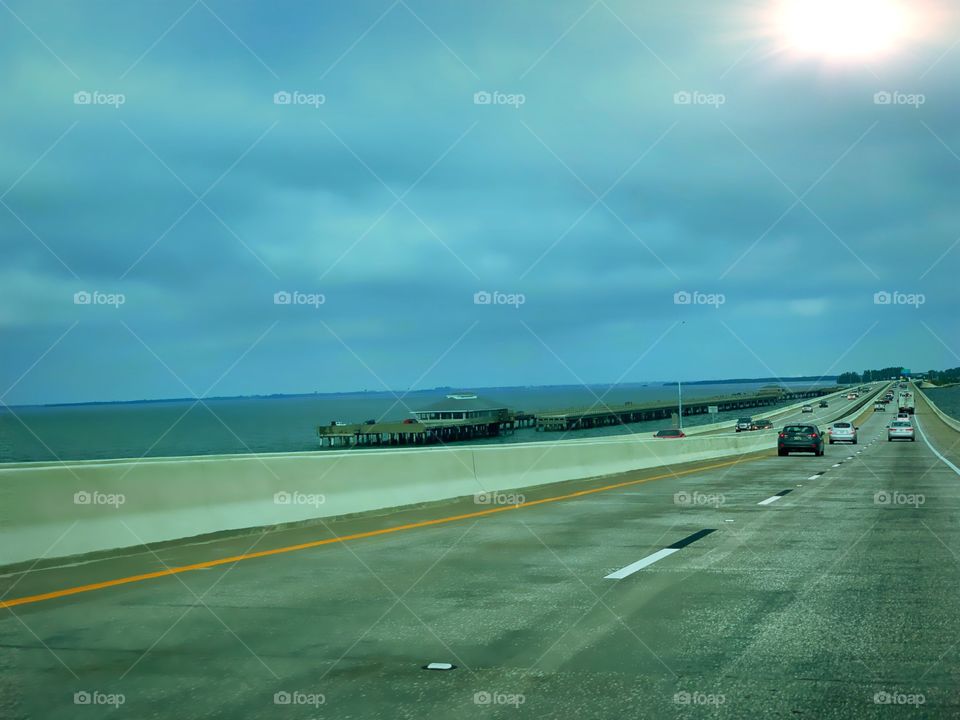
column 398, row 197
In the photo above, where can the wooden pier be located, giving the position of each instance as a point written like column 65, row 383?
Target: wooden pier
column 602, row 414
column 453, row 420
column 415, row 433
column 457, row 417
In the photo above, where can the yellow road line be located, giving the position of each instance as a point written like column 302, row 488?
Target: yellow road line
column 29, row 599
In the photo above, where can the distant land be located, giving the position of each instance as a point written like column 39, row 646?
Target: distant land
column 433, row 391
column 798, row 378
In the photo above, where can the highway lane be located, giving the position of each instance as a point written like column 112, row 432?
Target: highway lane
column 810, row 605
column 821, row 416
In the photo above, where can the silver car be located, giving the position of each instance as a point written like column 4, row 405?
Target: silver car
column 842, row 432
column 900, row 430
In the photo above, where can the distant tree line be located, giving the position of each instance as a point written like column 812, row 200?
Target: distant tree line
column 853, row 378
column 941, row 377
column 938, row 377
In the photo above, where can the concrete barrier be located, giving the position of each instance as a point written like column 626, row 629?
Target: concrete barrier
column 54, row 510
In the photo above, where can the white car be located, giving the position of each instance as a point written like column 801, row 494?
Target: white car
column 807, row 408
column 900, row 430
column 842, row 432
column 743, row 424
column 903, row 416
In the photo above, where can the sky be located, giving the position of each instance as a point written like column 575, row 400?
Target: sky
column 231, row 198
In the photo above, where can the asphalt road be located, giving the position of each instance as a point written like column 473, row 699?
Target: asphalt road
column 820, row 416
column 838, row 599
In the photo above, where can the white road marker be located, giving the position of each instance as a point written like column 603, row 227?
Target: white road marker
column 837, row 465
column 640, row 564
column 813, row 477
column 770, row 500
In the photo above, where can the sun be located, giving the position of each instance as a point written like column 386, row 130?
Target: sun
column 842, row 29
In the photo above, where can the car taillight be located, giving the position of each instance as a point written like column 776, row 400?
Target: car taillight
column 813, row 435
column 783, row 435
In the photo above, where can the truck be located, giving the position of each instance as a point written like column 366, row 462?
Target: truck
column 905, row 402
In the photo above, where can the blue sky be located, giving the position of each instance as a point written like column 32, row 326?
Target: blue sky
column 631, row 156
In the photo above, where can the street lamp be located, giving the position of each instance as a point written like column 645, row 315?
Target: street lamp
column 680, row 395
column 680, row 403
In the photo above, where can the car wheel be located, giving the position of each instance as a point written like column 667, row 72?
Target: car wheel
column 913, row 439
column 781, row 453
column 854, row 442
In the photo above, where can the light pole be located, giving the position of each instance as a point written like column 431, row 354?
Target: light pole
column 680, row 395
column 680, row 403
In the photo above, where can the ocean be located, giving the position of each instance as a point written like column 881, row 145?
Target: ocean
column 947, row 399
column 288, row 423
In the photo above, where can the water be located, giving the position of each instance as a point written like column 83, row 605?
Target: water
column 947, row 399
column 288, row 424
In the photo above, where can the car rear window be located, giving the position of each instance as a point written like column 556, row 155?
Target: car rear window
column 744, row 420
column 901, row 424
column 798, row 429
column 841, row 425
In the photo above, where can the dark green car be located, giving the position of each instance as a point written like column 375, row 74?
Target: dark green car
column 800, row 438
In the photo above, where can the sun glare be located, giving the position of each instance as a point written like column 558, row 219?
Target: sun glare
column 843, row 29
